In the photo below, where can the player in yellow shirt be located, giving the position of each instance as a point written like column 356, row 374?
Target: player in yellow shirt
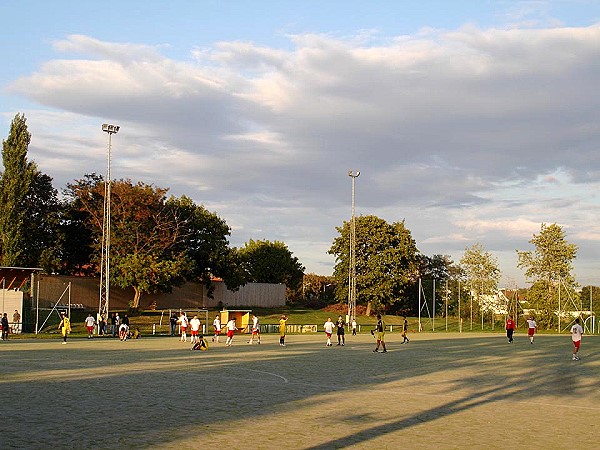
column 282, row 324
column 64, row 326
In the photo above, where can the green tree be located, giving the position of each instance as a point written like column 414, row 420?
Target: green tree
column 271, row 262
column 317, row 290
column 42, row 248
column 481, row 273
column 205, row 241
column 146, row 254
column 549, row 268
column 445, row 272
column 77, row 232
column 15, row 184
column 386, row 261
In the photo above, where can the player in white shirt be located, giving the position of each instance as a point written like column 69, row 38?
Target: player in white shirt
column 183, row 322
column 217, row 327
column 328, row 327
column 531, row 326
column 89, row 324
column 231, row 328
column 195, row 329
column 255, row 330
column 576, row 333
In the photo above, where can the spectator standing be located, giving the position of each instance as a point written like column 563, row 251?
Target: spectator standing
column 16, row 322
column 5, row 327
column 173, row 323
column 354, row 326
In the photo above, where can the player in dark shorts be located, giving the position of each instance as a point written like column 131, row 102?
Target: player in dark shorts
column 340, row 324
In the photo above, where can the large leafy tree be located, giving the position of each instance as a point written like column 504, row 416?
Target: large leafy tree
column 205, row 242
column 481, row 271
column 41, row 248
column 15, row 185
column 271, row 262
column 146, row 235
column 548, row 267
column 386, row 261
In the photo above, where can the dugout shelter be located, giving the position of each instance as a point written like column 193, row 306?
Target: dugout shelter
column 241, row 316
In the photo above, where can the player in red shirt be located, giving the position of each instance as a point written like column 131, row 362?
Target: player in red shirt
column 510, row 329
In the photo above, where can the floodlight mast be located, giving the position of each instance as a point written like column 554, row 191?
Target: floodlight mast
column 105, row 257
column 352, row 262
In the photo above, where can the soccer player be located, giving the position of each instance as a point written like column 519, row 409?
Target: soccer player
column 328, row 327
column 64, row 326
column 354, row 327
column 510, row 328
column 217, row 327
column 380, row 330
column 195, row 329
column 282, row 324
column 405, row 331
column 123, row 331
column 576, row 333
column 183, row 320
column 89, row 324
column 531, row 326
column 255, row 330
column 231, row 328
column 340, row 324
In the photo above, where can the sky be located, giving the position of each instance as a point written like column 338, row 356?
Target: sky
column 472, row 121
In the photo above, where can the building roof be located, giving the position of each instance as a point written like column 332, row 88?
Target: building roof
column 15, row 277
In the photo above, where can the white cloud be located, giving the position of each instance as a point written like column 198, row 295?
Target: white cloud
column 468, row 134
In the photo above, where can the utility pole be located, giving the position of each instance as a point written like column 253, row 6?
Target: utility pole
column 352, row 268
column 105, row 259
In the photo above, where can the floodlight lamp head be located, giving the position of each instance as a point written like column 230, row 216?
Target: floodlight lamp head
column 110, row 129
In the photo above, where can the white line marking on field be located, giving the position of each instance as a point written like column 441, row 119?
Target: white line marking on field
column 285, row 380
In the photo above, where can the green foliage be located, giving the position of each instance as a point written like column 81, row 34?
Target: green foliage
column 549, row 267
column 317, row 291
column 146, row 235
column 15, row 184
column 386, row 261
column 271, row 262
column 552, row 259
column 481, row 270
column 41, row 248
column 205, row 242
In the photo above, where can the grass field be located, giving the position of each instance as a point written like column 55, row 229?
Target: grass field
column 439, row 391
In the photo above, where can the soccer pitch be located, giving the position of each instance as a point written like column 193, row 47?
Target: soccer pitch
column 439, row 391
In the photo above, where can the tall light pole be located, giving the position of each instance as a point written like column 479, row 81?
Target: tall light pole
column 105, row 259
column 352, row 265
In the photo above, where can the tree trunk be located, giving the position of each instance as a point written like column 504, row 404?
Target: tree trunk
column 368, row 312
column 137, row 295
